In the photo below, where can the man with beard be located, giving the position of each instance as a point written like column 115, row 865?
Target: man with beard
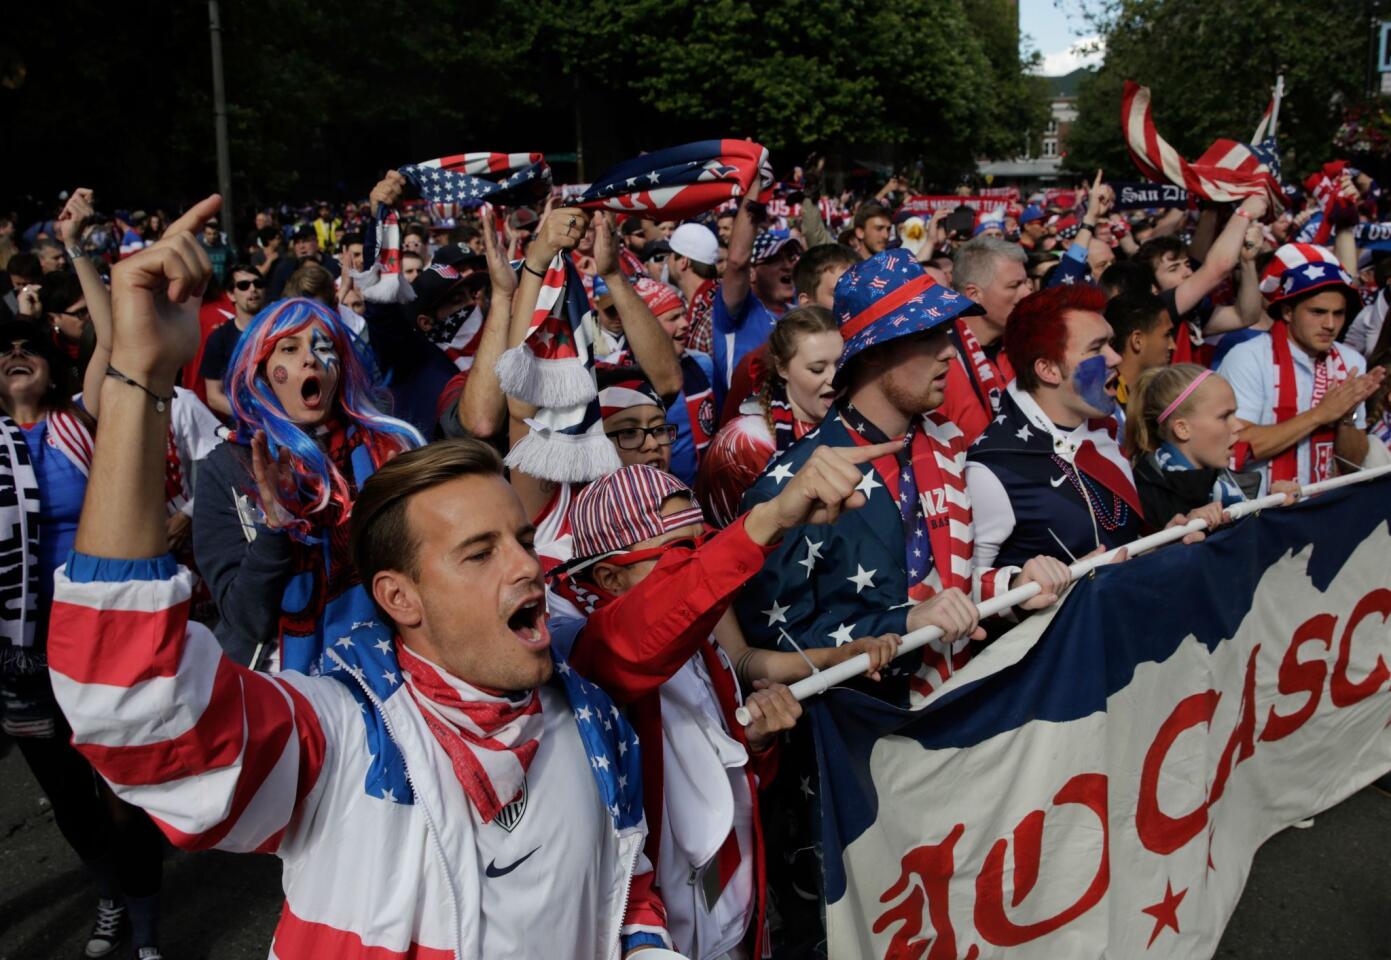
column 1047, row 476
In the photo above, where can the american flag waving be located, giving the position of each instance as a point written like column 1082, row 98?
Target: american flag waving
column 473, row 178
column 1226, row 172
column 682, row 182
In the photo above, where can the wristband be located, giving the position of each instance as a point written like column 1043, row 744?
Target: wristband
column 1242, row 213
column 1088, row 226
column 161, row 403
column 74, row 253
column 532, row 270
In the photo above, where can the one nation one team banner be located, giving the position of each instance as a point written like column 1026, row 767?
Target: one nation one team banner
column 1096, row 783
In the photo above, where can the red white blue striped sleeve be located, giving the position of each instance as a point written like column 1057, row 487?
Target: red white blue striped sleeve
column 218, row 755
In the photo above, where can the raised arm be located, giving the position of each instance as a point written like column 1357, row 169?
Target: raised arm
column 174, row 727
column 482, row 405
column 734, row 288
column 1222, row 257
column 652, row 349
column 75, row 213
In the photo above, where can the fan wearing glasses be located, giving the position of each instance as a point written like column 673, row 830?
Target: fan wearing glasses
column 247, row 288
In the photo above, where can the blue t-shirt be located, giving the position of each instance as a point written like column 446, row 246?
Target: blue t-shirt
column 705, row 393
column 61, row 489
column 737, row 334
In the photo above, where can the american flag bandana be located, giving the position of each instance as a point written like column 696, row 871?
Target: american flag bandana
column 465, row 180
column 682, row 182
column 1227, row 172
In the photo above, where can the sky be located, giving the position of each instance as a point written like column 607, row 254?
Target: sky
column 1056, row 29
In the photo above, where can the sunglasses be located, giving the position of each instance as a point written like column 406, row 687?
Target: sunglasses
column 18, row 346
column 635, row 438
column 244, row 285
column 84, row 314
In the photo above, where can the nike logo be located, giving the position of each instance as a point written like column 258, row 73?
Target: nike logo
column 1058, row 481
column 493, row 871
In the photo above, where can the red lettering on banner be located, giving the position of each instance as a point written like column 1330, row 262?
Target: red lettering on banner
column 1086, row 789
column 1243, row 734
column 1342, row 691
column 1158, row 831
column 932, row 865
column 1298, row 676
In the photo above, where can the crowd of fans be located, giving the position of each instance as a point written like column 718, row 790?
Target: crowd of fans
column 832, row 420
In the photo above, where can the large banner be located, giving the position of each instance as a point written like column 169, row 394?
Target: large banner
column 1095, row 783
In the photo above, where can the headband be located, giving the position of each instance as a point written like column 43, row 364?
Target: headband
column 1178, row 401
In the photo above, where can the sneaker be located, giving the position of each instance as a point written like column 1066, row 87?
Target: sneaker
column 109, row 930
column 149, row 953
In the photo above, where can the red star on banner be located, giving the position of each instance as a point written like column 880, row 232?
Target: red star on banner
column 1165, row 912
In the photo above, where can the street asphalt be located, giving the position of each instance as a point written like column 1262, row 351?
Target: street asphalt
column 1316, row 894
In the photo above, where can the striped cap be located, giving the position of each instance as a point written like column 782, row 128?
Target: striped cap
column 621, row 387
column 615, row 512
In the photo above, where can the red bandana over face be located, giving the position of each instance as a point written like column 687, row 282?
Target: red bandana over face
column 491, row 740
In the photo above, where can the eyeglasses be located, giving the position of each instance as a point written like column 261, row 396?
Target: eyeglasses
column 657, row 258
column 84, row 314
column 244, row 285
column 18, row 346
column 635, row 438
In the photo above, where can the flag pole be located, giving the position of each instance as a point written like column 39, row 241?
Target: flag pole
column 823, row 680
column 1275, row 110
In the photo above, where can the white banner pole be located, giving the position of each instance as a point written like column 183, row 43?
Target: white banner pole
column 823, row 680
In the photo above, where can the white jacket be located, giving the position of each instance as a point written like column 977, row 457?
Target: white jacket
column 223, row 757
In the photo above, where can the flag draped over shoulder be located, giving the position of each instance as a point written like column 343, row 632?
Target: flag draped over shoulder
column 1096, row 782
column 1227, row 171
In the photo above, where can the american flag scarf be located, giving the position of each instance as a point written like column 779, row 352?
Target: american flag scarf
column 464, row 180
column 682, row 182
column 1323, row 187
column 490, row 739
column 553, row 367
column 1228, row 171
column 553, row 370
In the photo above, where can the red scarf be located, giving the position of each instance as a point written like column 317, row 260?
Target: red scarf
column 699, row 315
column 490, row 739
column 982, row 373
column 1285, row 466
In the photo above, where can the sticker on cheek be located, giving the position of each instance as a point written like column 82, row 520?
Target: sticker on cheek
column 279, row 374
column 323, row 348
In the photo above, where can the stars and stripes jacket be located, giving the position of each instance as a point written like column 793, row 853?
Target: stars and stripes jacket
column 304, row 767
column 828, row 584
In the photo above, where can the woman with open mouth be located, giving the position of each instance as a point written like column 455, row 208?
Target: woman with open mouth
column 794, row 396
column 273, row 502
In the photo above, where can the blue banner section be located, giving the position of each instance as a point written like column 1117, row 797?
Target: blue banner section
column 1126, row 615
column 1142, row 195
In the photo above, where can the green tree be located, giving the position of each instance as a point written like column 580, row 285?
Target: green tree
column 1210, row 68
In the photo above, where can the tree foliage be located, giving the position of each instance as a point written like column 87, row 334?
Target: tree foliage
column 1210, row 67
column 320, row 100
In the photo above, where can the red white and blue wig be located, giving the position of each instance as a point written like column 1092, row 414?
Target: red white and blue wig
column 357, row 406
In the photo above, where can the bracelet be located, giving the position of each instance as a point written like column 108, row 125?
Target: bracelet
column 1088, row 226
column 533, row 271
column 74, row 253
column 161, row 403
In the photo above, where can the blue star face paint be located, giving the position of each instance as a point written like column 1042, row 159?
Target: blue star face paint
column 323, row 348
column 1089, row 380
